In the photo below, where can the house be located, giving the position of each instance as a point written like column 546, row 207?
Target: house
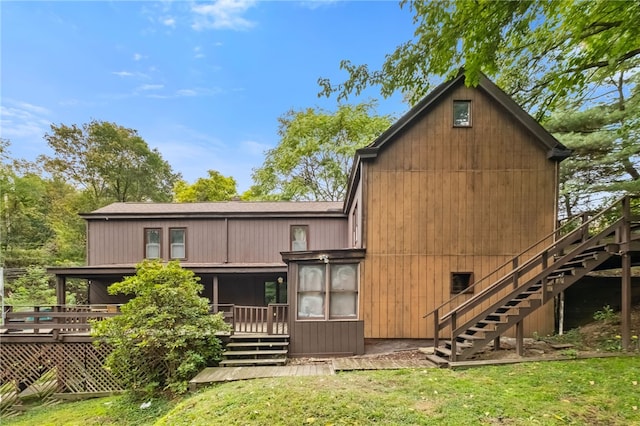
column 463, row 183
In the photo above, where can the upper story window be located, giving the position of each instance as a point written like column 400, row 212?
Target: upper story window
column 299, row 237
column 328, row 291
column 152, row 243
column 461, row 113
column 178, row 238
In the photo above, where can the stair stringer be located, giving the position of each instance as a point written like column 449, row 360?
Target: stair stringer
column 515, row 314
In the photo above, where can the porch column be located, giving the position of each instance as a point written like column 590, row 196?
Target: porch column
column 214, row 298
column 61, row 290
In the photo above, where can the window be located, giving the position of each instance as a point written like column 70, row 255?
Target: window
column 177, row 240
column 152, row 243
column 328, row 291
column 461, row 113
column 461, row 281
column 299, row 237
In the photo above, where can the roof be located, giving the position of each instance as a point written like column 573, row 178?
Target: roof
column 219, row 209
column 555, row 150
column 97, row 271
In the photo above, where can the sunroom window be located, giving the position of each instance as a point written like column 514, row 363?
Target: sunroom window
column 328, row 291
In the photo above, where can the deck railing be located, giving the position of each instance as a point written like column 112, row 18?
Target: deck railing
column 68, row 319
column 54, row 319
column 271, row 319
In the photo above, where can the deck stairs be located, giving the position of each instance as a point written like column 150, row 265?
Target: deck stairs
column 255, row 350
column 531, row 281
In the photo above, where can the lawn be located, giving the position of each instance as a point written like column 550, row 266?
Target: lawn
column 580, row 392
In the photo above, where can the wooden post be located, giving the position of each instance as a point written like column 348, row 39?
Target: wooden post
column 436, row 328
column 626, row 275
column 515, row 272
column 454, row 342
column 270, row 313
column 496, row 344
column 61, row 290
column 520, row 338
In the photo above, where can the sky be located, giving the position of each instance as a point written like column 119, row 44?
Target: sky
column 204, row 82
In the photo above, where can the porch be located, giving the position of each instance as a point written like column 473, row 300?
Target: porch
column 73, row 322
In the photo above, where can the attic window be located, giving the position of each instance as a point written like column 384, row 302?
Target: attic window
column 461, row 113
column 461, row 281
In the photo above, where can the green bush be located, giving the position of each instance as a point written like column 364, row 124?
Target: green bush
column 165, row 333
column 607, row 314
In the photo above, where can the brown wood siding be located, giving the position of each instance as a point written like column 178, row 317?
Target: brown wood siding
column 250, row 240
column 318, row 338
column 441, row 199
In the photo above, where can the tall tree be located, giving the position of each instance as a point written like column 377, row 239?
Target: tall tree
column 111, row 162
column 541, row 52
column 214, row 188
column 605, row 139
column 313, row 159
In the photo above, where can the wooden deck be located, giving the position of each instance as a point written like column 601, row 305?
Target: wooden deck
column 227, row 374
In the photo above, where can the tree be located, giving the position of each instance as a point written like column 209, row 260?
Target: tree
column 541, row 52
column 605, row 139
column 35, row 287
column 314, row 156
column 111, row 162
column 165, row 334
column 214, row 188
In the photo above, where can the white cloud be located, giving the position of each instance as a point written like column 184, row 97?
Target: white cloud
column 254, row 148
column 137, row 57
column 317, row 4
column 23, row 120
column 187, row 92
column 169, row 21
column 127, row 74
column 222, row 14
column 151, row 87
column 197, row 52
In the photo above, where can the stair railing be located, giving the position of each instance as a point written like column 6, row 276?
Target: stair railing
column 574, row 230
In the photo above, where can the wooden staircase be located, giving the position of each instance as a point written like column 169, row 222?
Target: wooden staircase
column 255, row 350
column 528, row 285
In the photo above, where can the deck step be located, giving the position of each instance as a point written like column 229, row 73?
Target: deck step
column 259, row 337
column 459, row 344
column 257, row 353
column 256, row 344
column 261, row 361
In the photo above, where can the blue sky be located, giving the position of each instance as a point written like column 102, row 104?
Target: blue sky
column 203, row 82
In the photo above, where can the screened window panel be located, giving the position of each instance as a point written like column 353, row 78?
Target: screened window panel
column 311, row 278
column 310, row 305
column 153, row 251
column 343, row 305
column 343, row 277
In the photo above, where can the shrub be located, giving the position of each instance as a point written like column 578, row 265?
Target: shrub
column 607, row 314
column 165, row 333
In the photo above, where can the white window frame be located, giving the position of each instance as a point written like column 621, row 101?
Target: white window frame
column 175, row 246
column 324, row 292
column 148, row 245
column 459, row 122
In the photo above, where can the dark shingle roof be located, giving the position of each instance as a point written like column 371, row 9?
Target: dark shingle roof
column 223, row 208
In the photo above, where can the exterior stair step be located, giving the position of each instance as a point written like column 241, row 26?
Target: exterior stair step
column 445, row 351
column 471, row 337
column 438, row 361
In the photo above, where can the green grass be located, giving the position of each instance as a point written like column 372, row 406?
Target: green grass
column 580, row 392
